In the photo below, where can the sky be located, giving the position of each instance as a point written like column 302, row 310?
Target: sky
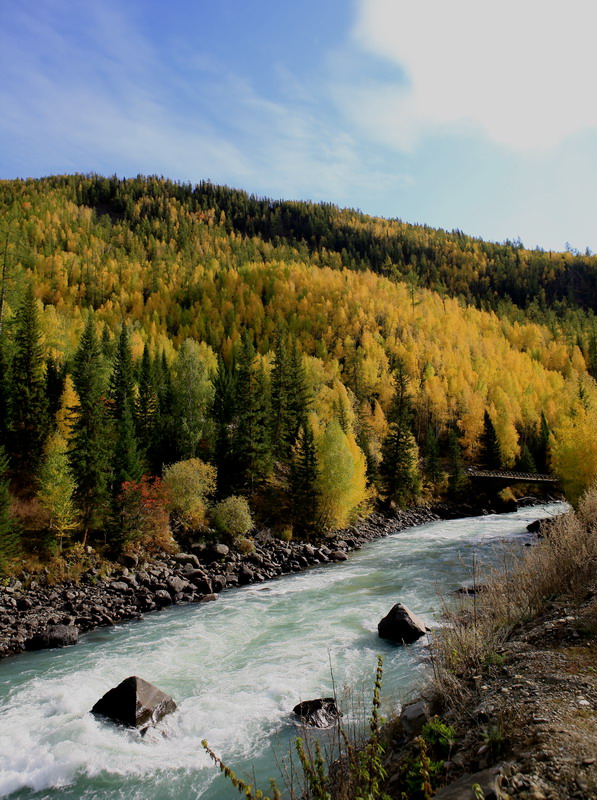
column 465, row 114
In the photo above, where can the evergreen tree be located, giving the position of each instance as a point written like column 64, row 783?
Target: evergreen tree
column 9, row 537
column 541, row 452
column 223, row 411
column 4, row 397
column 280, row 390
column 89, row 454
column 525, row 461
column 457, row 476
column 304, row 477
column 432, row 461
column 399, row 465
column 146, row 407
column 251, row 442
column 55, row 378
column 164, row 446
column 299, row 398
column 491, row 455
column 126, row 462
column 29, row 408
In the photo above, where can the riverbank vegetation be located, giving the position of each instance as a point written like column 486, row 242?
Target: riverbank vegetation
column 179, row 360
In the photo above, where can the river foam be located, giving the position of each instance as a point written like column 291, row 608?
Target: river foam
column 235, row 667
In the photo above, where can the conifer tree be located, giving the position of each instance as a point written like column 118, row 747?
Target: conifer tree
column 280, row 390
column 491, row 455
column 4, row 397
column 55, row 377
column 89, row 454
column 456, row 476
column 299, row 399
column 9, row 537
column 304, row 477
column 29, row 408
column 399, row 465
column 146, row 406
column 432, row 464
column 251, row 443
column 223, row 410
column 525, row 461
column 126, row 462
column 164, row 446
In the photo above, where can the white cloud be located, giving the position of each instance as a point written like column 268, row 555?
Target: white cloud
column 522, row 71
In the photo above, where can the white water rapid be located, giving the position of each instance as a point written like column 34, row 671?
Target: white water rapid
column 235, row 667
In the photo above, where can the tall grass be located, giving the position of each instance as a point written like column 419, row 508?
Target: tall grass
column 562, row 565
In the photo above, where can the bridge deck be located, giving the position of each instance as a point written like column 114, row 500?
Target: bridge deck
column 521, row 477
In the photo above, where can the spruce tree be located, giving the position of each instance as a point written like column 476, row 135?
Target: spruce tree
column 29, row 408
column 456, row 477
column 223, row 412
column 126, row 462
column 491, row 455
column 432, row 463
column 251, row 443
column 525, row 461
column 146, row 406
column 89, row 454
column 55, row 378
column 9, row 536
column 4, row 397
column 280, row 390
column 399, row 466
column 304, row 494
column 299, row 397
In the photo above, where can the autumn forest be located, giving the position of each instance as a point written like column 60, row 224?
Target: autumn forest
column 180, row 360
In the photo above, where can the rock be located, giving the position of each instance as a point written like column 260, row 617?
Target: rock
column 490, row 781
column 413, row 716
column 209, row 598
column 54, row 636
column 319, row 713
column 187, row 558
column 135, row 703
column 534, row 527
column 162, row 597
column 177, row 585
column 401, row 625
column 338, row 555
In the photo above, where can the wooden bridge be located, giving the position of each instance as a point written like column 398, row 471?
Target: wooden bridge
column 502, row 478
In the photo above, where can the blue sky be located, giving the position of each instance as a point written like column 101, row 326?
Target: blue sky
column 462, row 114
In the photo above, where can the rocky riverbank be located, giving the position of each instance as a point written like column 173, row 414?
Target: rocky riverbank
column 34, row 614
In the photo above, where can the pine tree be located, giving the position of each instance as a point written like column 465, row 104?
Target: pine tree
column 432, row 461
column 399, row 465
column 491, row 455
column 251, row 443
column 223, row 411
column 146, row 406
column 304, row 476
column 29, row 408
column 299, row 397
column 280, row 389
column 525, row 461
column 126, row 462
column 4, row 398
column 89, row 454
column 456, row 477
column 9, row 537
column 55, row 377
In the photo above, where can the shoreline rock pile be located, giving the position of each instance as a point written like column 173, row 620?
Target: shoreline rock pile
column 29, row 607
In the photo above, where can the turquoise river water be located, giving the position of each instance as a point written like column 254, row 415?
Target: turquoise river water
column 235, row 667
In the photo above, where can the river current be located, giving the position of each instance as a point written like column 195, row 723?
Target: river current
column 235, row 667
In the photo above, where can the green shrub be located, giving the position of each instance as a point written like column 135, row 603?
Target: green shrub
column 232, row 516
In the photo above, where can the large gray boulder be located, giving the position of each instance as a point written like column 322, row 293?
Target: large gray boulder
column 135, row 703
column 319, row 713
column 54, row 636
column 401, row 625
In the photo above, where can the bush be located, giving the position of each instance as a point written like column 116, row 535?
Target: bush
column 188, row 484
column 232, row 516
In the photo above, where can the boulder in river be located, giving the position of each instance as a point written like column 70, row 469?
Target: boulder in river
column 319, row 713
column 135, row 703
column 54, row 636
column 401, row 625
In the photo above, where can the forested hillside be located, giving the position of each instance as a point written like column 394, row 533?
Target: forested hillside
column 191, row 358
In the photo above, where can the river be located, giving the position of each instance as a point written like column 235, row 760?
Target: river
column 235, row 667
